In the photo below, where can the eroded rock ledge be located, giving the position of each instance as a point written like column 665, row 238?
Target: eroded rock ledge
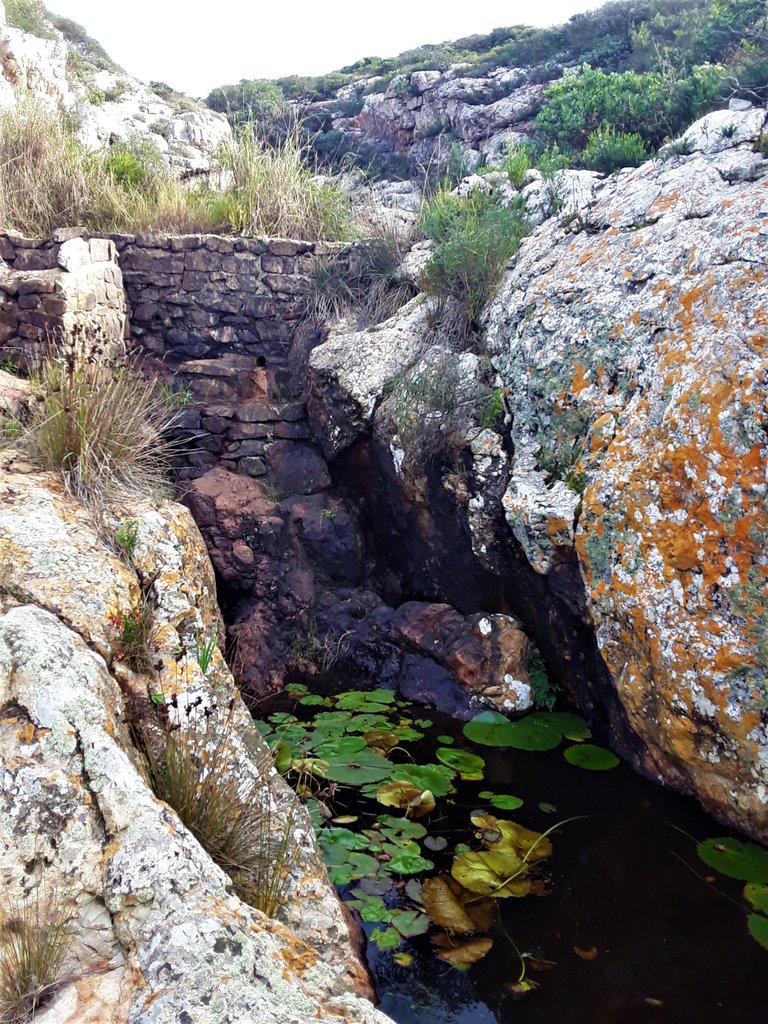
column 159, row 935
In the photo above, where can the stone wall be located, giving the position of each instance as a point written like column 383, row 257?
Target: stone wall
column 63, row 286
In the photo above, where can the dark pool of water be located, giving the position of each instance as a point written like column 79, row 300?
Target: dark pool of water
column 626, row 888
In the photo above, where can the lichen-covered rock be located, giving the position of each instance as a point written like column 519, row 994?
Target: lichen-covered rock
column 158, row 934
column 632, row 343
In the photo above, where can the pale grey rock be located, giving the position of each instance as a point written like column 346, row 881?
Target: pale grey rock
column 725, row 129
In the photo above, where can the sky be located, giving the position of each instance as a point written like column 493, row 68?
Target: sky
column 196, row 46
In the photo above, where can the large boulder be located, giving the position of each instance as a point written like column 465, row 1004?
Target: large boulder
column 632, row 343
column 157, row 932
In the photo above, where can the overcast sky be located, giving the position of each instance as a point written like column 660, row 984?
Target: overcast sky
column 196, row 46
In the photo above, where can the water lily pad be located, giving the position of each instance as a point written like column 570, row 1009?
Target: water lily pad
column 416, row 802
column 573, row 727
column 345, row 819
column 736, row 859
column 341, row 748
column 365, row 766
column 401, row 829
column 538, row 731
column 437, row 778
column 463, row 952
column 385, row 938
column 447, row 740
column 758, row 928
column 469, row 766
column 505, row 802
column 409, row 864
column 489, row 728
column 296, row 689
column 356, row 865
column 407, row 734
column 367, row 722
column 381, row 740
column 282, row 754
column 374, row 886
column 403, row 959
column 455, row 908
column 757, row 895
column 370, row 907
column 547, row 808
column 410, row 923
column 594, row 759
column 436, row 843
column 492, row 873
column 365, row 700
column 313, row 700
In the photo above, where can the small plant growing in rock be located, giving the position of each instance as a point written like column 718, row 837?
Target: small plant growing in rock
column 126, row 537
column 130, row 632
column 329, row 513
column 204, row 649
column 34, row 945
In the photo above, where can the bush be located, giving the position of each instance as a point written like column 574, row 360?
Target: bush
column 103, row 430
column 475, row 236
column 30, row 16
column 608, row 150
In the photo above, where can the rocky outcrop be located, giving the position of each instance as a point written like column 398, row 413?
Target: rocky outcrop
column 111, row 105
column 629, row 339
column 157, row 932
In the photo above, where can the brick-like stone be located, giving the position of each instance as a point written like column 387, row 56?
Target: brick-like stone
column 287, row 247
column 252, row 466
column 245, row 449
column 274, row 330
column 292, row 411
column 182, row 243
column 256, row 413
column 201, row 259
column 218, row 244
column 275, row 264
column 260, row 306
column 195, row 280
column 29, row 301
column 298, row 431
column 7, row 250
column 102, row 250
column 246, row 431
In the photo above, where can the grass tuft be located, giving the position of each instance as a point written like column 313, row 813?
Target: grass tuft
column 34, row 945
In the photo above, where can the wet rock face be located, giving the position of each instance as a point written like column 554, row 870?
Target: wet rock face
column 157, row 933
column 633, row 347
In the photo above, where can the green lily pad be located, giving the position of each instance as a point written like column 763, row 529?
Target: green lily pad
column 370, row 908
column 538, row 731
column 400, row 829
column 758, row 929
column 407, row 734
column 365, row 700
column 365, row 766
column 736, row 859
column 489, row 728
column 282, row 755
column 571, row 726
column 437, row 778
column 409, row 864
column 385, row 938
column 357, row 865
column 469, row 766
column 447, row 740
column 757, row 895
column 410, row 923
column 342, row 748
column 367, row 723
column 504, row 802
column 296, row 689
column 587, row 755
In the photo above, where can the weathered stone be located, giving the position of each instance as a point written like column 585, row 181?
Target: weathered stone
column 297, row 468
column 292, row 431
column 251, row 466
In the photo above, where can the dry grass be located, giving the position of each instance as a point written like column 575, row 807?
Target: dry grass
column 48, row 180
column 34, row 945
column 103, row 429
column 233, row 818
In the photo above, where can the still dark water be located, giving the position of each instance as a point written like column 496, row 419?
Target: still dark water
column 659, row 943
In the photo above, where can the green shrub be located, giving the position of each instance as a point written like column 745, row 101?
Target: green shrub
column 130, row 634
column 476, row 237
column 608, row 150
column 30, row 16
column 517, row 163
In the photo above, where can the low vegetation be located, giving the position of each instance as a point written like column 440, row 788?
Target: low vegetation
column 103, row 429
column 48, row 179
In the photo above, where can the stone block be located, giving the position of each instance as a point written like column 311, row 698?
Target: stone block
column 254, row 245
column 54, row 305
column 29, row 301
column 8, row 324
column 102, row 250
column 285, row 284
column 260, row 306
column 252, row 466
column 74, row 254
column 222, row 303
column 245, row 449
column 287, row 247
column 7, row 250
column 86, row 301
column 298, row 431
column 218, row 244
column 256, row 413
column 241, row 263
column 292, row 411
column 274, row 330
column 32, row 259
column 194, row 280
column 246, row 431
column 216, row 424
column 182, row 243
column 276, row 264
column 201, row 259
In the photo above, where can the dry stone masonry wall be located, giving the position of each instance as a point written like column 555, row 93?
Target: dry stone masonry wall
column 55, row 287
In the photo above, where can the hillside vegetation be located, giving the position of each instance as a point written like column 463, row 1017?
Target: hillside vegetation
column 643, row 68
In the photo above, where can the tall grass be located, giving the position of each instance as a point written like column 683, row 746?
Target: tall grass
column 102, row 429
column 34, row 946
column 48, row 180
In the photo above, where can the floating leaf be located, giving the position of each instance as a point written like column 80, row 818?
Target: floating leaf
column 399, row 829
column 374, row 886
column 489, row 728
column 385, row 938
column 365, row 700
column 296, row 689
column 758, row 929
column 463, row 953
column 571, row 726
column 341, row 748
column 447, row 740
column 498, row 874
column 363, row 767
column 410, row 798
column 586, row 954
column 381, row 740
column 757, row 895
column 409, row 864
column 345, row 819
column 485, row 795
column 283, row 756
column 436, row 843
column 548, row 808
column 469, row 766
column 413, row 890
column 587, row 755
column 370, row 907
column 424, row 723
column 410, row 923
column 736, row 859
column 506, row 803
column 407, row 734
column 537, row 731
column 437, row 778
column 313, row 700
column 403, row 959
column 455, row 908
